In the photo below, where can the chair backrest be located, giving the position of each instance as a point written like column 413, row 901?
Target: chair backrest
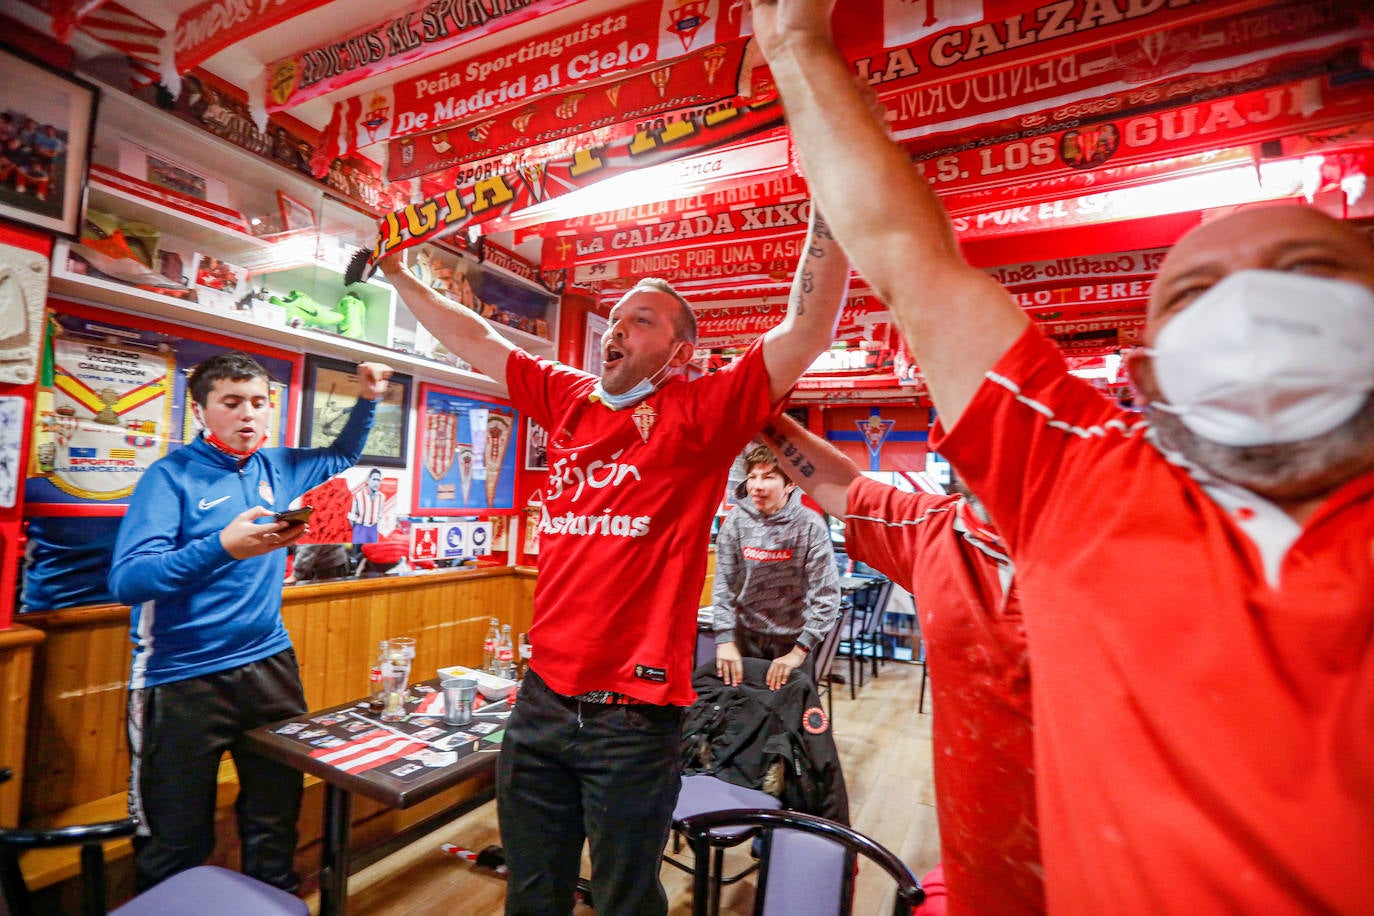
column 706, row 648
column 824, row 656
column 806, row 862
column 16, row 841
column 876, row 597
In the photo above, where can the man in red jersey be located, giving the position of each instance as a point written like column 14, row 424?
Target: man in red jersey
column 1198, row 583
column 944, row 550
column 638, row 461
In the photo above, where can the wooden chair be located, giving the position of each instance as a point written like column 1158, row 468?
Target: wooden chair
column 806, row 863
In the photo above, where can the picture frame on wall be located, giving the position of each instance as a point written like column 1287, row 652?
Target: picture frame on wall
column 294, row 214
column 467, row 450
column 329, row 393
column 47, row 120
column 536, row 446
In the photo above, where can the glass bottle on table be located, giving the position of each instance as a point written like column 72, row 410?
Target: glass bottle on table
column 505, row 654
column 524, row 651
column 489, row 646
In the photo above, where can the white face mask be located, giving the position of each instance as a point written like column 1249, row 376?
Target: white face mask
column 1268, row 356
column 636, row 393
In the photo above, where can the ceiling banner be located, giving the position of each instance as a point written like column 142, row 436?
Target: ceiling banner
column 389, row 43
column 759, row 233
column 672, row 92
column 1042, row 283
column 1141, row 148
column 509, row 192
column 591, row 49
column 1037, row 59
column 208, row 28
column 716, row 325
column 1135, row 149
column 681, row 269
column 1106, row 335
column 782, row 188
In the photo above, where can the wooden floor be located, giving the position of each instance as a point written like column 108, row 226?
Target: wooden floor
column 885, row 750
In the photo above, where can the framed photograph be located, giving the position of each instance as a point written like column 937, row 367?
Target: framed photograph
column 163, row 170
column 468, row 455
column 216, row 281
column 294, row 214
column 167, row 174
column 331, row 390
column 47, row 119
column 536, row 447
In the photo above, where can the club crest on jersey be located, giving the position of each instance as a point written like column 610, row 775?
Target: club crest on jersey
column 265, row 491
column 645, row 417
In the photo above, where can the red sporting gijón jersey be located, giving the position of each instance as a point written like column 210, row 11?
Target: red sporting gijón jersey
column 626, row 521
column 959, row 574
column 1204, row 665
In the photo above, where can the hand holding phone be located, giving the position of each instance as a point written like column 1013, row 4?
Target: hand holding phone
column 295, row 516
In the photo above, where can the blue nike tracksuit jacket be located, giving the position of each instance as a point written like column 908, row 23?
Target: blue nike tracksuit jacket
column 197, row 610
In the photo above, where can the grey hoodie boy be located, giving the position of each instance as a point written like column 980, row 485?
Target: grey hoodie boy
column 775, row 574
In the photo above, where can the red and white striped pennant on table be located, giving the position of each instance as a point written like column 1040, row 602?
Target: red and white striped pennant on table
column 368, row 750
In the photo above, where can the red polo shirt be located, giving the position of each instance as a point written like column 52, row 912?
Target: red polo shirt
column 1204, row 667
column 626, row 521
column 959, row 574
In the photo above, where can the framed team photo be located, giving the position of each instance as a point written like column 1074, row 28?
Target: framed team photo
column 294, row 214
column 47, row 120
column 331, row 390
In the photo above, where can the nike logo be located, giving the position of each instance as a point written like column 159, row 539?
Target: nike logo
column 211, row 503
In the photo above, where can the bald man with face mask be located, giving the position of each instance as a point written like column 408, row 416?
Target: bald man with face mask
column 1197, row 581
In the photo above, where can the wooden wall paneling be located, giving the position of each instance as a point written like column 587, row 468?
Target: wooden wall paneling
column 103, row 735
column 360, row 647
column 76, row 751
column 315, row 651
column 17, row 647
column 346, row 670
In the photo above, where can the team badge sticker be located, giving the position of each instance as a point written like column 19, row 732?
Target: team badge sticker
column 645, row 417
column 815, row 721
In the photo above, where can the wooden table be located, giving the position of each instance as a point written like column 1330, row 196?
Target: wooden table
column 396, row 763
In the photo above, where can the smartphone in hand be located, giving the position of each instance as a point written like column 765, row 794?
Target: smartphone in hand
column 295, row 516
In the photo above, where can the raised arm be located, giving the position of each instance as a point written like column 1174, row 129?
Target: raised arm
column 456, row 326
column 820, row 469
column 818, row 291
column 957, row 319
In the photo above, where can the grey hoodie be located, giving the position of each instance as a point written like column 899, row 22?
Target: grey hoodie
column 776, row 574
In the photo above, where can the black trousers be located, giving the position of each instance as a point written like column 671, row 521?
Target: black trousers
column 570, row 771
column 177, row 734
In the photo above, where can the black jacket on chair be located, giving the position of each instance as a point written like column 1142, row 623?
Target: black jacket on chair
column 779, row 741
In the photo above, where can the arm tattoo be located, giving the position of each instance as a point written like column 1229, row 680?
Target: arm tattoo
column 791, row 453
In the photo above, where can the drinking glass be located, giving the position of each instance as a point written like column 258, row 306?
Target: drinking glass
column 400, row 654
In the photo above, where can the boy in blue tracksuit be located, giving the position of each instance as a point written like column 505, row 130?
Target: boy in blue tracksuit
column 203, row 575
